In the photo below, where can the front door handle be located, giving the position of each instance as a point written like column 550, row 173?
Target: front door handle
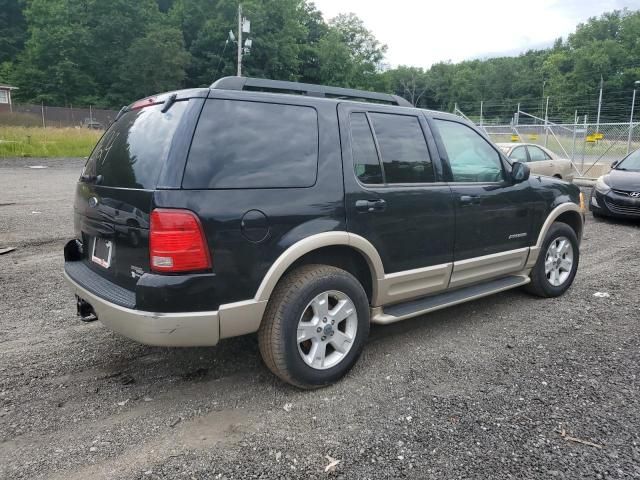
column 469, row 200
column 370, row 205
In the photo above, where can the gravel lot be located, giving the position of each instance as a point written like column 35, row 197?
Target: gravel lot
column 482, row 390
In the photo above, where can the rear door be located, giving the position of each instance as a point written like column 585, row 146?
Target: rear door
column 395, row 195
column 114, row 195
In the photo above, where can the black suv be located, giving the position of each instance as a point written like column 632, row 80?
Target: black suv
column 304, row 213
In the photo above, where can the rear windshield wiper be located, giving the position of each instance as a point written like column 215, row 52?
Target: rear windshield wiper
column 168, row 102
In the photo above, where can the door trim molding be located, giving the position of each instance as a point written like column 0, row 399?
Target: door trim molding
column 409, row 284
column 477, row 269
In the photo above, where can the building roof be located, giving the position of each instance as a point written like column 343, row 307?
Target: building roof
column 8, row 87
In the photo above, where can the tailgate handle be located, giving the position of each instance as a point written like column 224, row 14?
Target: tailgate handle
column 97, row 179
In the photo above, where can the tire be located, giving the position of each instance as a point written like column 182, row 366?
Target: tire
column 542, row 283
column 296, row 308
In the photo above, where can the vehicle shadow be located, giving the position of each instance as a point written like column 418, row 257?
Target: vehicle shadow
column 628, row 222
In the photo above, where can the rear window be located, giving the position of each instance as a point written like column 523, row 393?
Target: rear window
column 242, row 144
column 132, row 152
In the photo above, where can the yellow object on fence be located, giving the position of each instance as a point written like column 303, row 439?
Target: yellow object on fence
column 515, row 138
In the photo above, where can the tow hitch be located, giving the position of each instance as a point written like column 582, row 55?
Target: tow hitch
column 85, row 310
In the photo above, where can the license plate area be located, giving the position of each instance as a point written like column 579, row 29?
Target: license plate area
column 101, row 252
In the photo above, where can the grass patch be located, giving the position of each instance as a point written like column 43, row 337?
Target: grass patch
column 47, row 142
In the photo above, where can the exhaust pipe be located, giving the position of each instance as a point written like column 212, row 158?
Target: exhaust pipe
column 85, row 311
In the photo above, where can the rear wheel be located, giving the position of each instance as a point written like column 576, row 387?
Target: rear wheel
column 315, row 326
column 557, row 262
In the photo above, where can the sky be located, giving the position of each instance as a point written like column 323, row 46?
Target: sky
column 421, row 33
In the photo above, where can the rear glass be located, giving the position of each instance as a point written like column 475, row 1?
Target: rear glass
column 132, row 152
column 242, row 144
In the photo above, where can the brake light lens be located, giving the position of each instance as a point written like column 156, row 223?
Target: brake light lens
column 145, row 102
column 177, row 242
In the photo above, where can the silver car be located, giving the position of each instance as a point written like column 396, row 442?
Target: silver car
column 541, row 160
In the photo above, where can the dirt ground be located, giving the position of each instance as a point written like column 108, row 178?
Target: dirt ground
column 509, row 386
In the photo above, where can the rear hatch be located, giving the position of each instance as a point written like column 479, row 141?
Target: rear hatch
column 114, row 196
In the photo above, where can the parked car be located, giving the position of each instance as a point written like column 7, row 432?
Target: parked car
column 92, row 124
column 617, row 193
column 304, row 213
column 541, row 160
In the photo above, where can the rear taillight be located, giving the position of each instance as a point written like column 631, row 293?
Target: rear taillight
column 176, row 242
column 145, row 102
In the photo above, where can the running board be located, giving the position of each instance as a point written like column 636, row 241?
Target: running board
column 413, row 308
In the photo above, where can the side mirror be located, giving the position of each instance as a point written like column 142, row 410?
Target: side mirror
column 613, row 164
column 520, row 172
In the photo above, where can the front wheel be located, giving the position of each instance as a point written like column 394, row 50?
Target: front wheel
column 557, row 262
column 315, row 326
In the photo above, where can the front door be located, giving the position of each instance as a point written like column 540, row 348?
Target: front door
column 493, row 214
column 394, row 190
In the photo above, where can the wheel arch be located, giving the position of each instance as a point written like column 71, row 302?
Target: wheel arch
column 240, row 318
column 341, row 249
column 568, row 213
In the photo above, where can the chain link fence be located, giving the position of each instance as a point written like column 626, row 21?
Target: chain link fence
column 591, row 147
column 30, row 115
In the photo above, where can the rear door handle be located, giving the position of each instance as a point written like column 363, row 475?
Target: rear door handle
column 370, row 205
column 469, row 200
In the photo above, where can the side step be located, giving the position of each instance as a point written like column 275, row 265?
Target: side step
column 413, row 308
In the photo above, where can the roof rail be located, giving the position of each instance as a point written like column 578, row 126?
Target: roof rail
column 308, row 89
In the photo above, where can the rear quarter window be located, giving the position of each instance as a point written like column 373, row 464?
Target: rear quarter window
column 133, row 150
column 244, row 144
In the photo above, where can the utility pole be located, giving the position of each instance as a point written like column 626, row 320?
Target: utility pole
column 240, row 40
column 599, row 107
column 244, row 26
column 481, row 103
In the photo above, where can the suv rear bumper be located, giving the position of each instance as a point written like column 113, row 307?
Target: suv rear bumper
column 152, row 328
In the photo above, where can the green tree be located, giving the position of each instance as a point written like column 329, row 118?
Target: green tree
column 13, row 29
column 364, row 51
column 153, row 63
column 53, row 66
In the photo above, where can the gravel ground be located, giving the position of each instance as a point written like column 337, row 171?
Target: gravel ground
column 505, row 387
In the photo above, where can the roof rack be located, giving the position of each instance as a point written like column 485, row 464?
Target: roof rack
column 308, row 89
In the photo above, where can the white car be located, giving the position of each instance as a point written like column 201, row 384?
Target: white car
column 541, row 160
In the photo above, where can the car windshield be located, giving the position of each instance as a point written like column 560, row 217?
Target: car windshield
column 632, row 162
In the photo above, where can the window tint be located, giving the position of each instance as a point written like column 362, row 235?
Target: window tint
column 471, row 157
column 537, row 154
column 632, row 162
column 403, row 149
column 519, row 154
column 240, row 144
column 132, row 152
column 365, row 157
